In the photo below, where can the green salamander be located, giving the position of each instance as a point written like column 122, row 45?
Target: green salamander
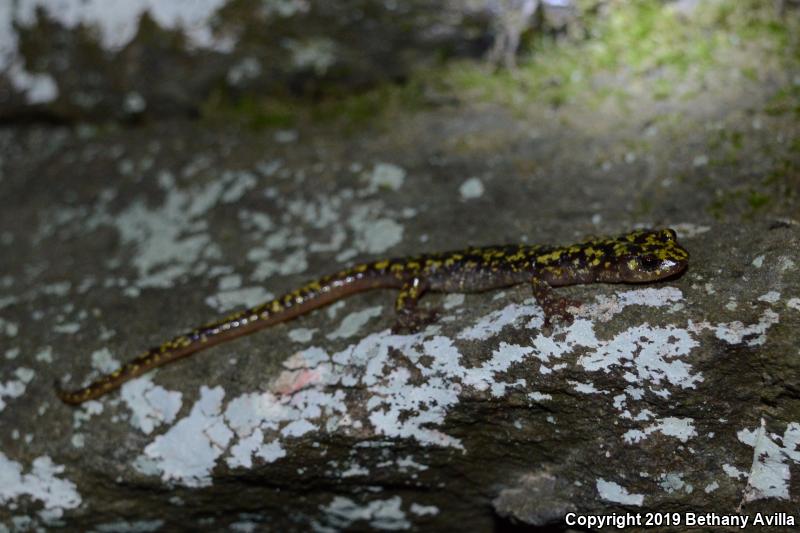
column 635, row 257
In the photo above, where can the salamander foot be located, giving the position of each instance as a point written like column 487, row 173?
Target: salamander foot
column 412, row 321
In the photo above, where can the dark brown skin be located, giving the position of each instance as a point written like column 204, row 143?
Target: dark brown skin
column 636, row 257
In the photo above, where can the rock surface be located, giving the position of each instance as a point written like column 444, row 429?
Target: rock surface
column 76, row 60
column 678, row 396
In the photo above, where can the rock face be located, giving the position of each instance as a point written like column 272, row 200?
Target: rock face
column 73, row 60
column 679, row 396
column 78, row 60
column 671, row 395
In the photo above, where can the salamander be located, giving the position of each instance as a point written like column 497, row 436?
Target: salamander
column 635, row 257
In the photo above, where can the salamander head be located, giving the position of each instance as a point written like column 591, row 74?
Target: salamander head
column 640, row 256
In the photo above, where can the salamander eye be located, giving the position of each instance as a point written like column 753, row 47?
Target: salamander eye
column 669, row 235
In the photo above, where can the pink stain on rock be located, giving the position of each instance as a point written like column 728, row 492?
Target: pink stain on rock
column 291, row 381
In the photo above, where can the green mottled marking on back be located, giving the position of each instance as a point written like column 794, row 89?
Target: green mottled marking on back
column 638, row 256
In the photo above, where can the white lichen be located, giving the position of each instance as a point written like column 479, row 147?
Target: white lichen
column 770, row 474
column 471, row 188
column 614, row 492
column 42, row 483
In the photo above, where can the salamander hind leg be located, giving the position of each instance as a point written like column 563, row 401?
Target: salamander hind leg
column 554, row 306
column 410, row 318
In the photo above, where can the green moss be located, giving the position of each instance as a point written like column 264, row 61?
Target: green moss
column 636, row 48
column 750, row 73
column 639, row 46
column 366, row 107
column 250, row 111
column 785, row 101
column 757, row 200
column 717, row 207
column 347, row 111
column 774, row 194
column 663, row 89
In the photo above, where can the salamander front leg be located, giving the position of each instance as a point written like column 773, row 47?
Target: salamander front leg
column 410, row 318
column 554, row 306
